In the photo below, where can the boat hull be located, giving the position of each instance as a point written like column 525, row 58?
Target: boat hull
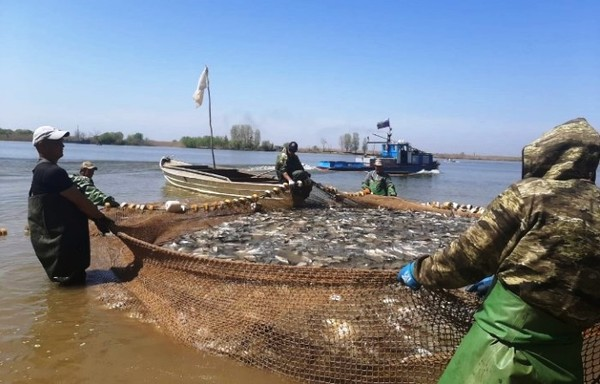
column 394, row 169
column 222, row 182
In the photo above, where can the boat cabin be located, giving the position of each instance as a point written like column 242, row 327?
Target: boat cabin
column 403, row 153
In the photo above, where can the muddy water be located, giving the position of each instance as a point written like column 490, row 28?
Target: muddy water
column 64, row 336
column 52, row 335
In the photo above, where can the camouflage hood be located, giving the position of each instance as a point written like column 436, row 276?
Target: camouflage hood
column 569, row 151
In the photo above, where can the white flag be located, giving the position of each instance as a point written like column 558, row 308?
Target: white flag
column 202, row 84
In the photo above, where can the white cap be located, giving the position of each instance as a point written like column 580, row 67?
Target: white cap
column 378, row 163
column 47, row 132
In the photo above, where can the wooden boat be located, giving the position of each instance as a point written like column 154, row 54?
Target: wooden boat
column 224, row 182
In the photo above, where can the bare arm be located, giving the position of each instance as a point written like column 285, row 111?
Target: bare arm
column 82, row 203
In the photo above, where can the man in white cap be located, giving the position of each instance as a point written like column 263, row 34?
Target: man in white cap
column 58, row 213
column 378, row 182
column 86, row 185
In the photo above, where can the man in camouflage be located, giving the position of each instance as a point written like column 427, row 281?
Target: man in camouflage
column 290, row 170
column 85, row 184
column 541, row 240
column 378, row 182
column 287, row 163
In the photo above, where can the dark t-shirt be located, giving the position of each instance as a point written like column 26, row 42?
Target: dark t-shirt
column 49, row 178
column 58, row 229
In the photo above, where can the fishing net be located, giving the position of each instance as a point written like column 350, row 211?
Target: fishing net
column 315, row 325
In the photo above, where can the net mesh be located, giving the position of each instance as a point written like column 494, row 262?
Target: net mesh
column 316, row 325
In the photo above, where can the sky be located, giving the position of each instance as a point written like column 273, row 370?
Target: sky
column 479, row 77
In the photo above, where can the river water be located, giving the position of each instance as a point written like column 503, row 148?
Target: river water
column 57, row 335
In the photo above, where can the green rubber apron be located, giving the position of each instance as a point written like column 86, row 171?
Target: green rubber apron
column 513, row 342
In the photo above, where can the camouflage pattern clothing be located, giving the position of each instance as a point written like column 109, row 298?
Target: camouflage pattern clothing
column 287, row 163
column 379, row 184
column 540, row 237
column 87, row 187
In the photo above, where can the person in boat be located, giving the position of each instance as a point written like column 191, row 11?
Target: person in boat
column 538, row 243
column 288, row 166
column 378, row 182
column 85, row 184
column 58, row 213
column 290, row 170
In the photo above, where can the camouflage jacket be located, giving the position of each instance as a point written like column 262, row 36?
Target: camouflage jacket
column 379, row 184
column 541, row 236
column 287, row 163
column 87, row 187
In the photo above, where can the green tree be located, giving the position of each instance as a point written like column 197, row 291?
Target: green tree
column 244, row 137
column 267, row 146
column 204, row 142
column 110, row 138
column 136, row 139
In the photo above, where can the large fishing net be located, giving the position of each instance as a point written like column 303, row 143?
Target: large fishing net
column 311, row 324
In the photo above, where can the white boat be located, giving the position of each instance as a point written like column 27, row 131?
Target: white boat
column 224, row 182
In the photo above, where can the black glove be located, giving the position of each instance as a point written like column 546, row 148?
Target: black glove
column 104, row 224
column 112, row 202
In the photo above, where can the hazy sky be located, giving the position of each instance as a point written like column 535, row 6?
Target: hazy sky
column 482, row 77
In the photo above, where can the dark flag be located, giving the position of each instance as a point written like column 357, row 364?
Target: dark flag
column 383, row 124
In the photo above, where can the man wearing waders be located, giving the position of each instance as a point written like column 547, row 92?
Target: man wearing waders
column 58, row 213
column 541, row 240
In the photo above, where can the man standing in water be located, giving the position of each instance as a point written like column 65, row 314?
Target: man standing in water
column 378, row 182
column 58, row 213
column 540, row 239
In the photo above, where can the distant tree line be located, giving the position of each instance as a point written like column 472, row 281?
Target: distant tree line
column 16, row 135
column 243, row 137
column 219, row 142
column 115, row 138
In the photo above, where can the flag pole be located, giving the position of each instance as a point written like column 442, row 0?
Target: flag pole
column 212, row 147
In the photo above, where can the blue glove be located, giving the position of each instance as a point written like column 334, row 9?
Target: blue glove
column 406, row 277
column 482, row 287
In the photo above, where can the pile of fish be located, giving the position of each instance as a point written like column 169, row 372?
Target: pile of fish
column 335, row 237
